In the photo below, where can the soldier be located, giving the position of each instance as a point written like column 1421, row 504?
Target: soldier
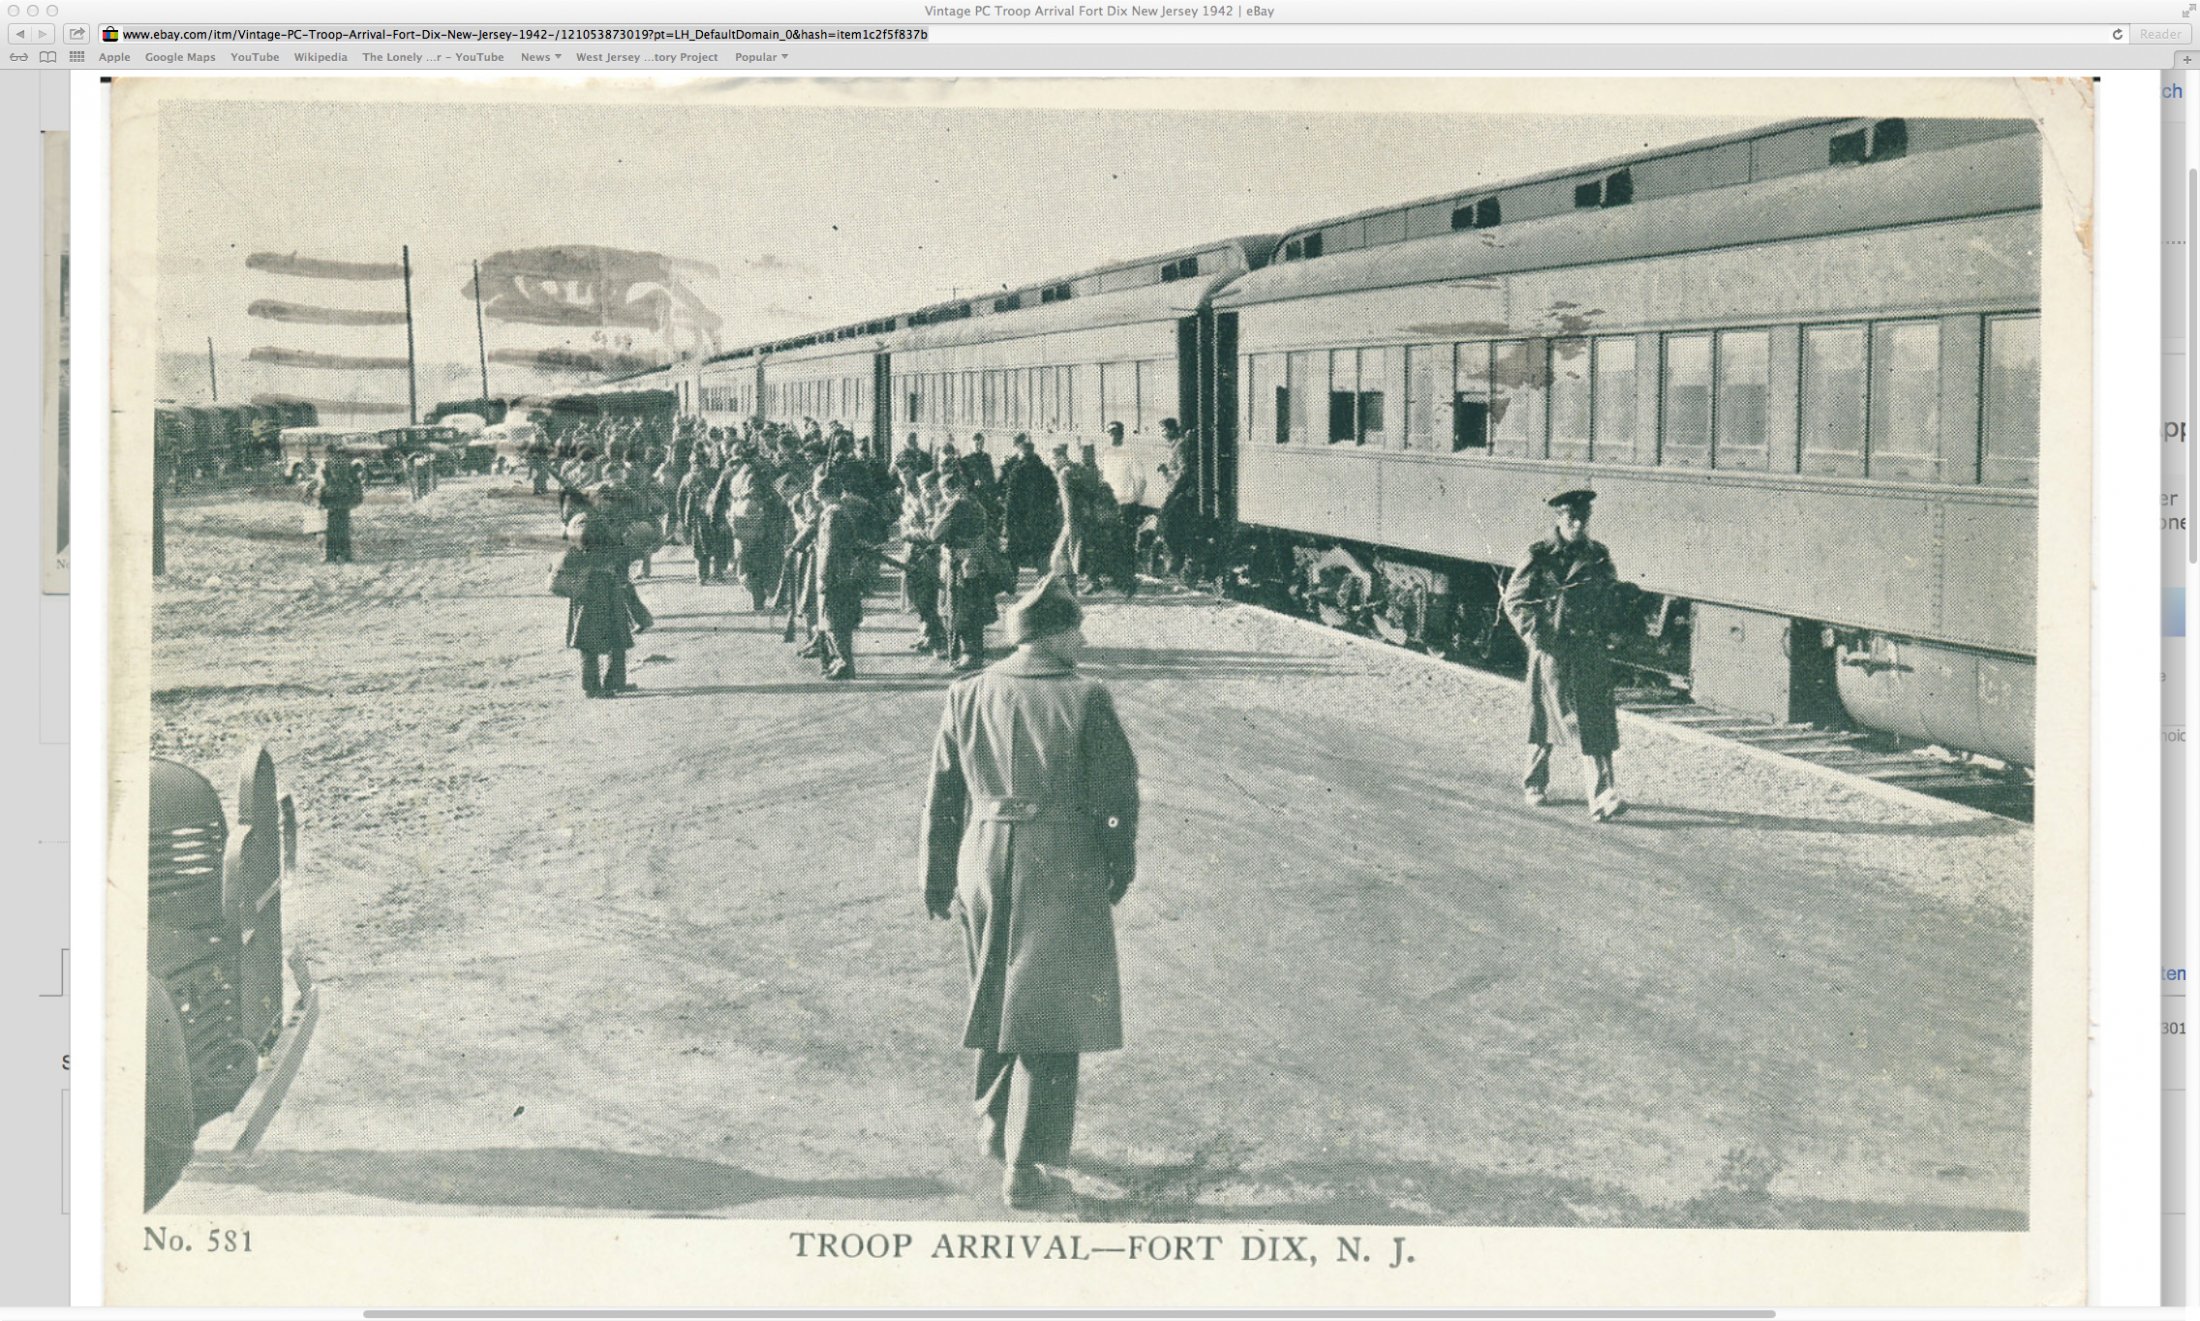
column 1560, row 600
column 802, row 552
column 1030, row 840
column 592, row 578
column 339, row 491
column 1030, row 506
column 1078, row 492
column 700, row 521
column 760, row 537
column 1182, row 528
column 921, row 579
column 843, row 558
column 912, row 463
column 977, row 468
column 962, row 532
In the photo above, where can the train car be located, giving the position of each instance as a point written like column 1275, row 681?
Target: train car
column 831, row 377
column 1799, row 365
column 722, row 391
column 1133, row 342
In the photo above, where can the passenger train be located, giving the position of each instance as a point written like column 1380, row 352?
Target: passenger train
column 1799, row 365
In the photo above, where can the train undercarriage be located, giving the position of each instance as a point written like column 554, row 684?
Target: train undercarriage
column 1973, row 704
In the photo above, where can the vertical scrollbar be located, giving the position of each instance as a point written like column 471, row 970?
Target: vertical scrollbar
column 2178, row 548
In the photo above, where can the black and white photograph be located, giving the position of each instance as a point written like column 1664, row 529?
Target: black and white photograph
column 1100, row 691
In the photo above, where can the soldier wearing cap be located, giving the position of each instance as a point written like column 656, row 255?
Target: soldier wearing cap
column 1561, row 601
column 1030, row 839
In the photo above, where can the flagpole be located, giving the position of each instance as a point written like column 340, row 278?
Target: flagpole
column 412, row 367
column 481, row 337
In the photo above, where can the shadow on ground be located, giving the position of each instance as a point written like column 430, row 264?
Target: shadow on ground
column 1347, row 1192
column 549, row 1178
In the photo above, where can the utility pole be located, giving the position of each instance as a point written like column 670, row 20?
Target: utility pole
column 412, row 367
column 213, row 385
column 481, row 337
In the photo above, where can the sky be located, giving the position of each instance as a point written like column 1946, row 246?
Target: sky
column 810, row 217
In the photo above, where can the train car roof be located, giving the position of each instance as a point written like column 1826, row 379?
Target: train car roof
column 2002, row 175
column 905, row 329
column 1666, row 170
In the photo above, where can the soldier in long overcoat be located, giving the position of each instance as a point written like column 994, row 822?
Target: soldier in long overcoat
column 1561, row 600
column 597, row 622
column 762, row 535
column 339, row 491
column 1030, row 839
column 702, row 524
column 1031, row 512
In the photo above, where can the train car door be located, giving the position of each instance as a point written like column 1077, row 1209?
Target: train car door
column 882, row 407
column 1191, row 396
column 1206, row 359
column 1219, row 501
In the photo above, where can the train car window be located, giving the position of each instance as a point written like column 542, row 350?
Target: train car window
column 1085, row 390
column 2012, row 405
column 1570, row 399
column 1119, row 393
column 1851, row 148
column 1344, row 396
column 1156, row 397
column 1293, row 250
column 1428, row 220
column 1470, row 398
column 1905, row 401
column 1617, row 435
column 1377, row 367
column 1614, row 189
column 1372, row 429
column 1313, row 246
column 1518, row 391
column 1343, row 238
column 1834, row 394
column 1890, row 139
column 1421, row 387
column 1685, row 402
column 1309, row 379
column 1389, row 227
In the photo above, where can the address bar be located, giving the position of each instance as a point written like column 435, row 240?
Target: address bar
column 1008, row 23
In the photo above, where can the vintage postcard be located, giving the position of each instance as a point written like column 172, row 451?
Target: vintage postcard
column 1099, row 692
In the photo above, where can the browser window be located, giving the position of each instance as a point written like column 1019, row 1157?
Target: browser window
column 1101, row 656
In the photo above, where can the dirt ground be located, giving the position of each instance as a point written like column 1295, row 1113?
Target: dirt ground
column 667, row 955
